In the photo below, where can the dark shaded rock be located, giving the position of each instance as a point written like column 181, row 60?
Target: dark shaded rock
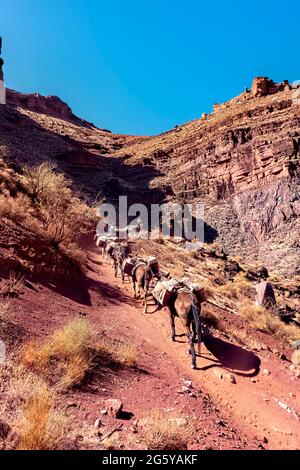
column 4, row 429
column 231, row 269
column 256, row 274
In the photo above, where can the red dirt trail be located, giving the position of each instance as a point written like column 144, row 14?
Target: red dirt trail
column 241, row 415
column 249, row 406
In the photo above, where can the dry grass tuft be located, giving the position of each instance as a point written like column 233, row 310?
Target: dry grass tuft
column 14, row 285
column 65, row 357
column 38, row 424
column 239, row 288
column 266, row 321
column 5, row 311
column 41, row 427
column 127, row 354
column 210, row 318
column 164, row 432
column 15, row 208
column 229, row 290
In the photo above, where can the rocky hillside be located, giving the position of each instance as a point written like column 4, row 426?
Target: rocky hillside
column 34, row 129
column 241, row 161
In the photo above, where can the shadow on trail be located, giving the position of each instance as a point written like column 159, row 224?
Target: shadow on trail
column 79, row 290
column 105, row 370
column 229, row 356
column 111, row 294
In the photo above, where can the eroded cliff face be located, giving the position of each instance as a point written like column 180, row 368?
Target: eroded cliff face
column 243, row 163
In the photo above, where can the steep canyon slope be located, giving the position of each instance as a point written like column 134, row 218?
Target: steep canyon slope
column 241, row 161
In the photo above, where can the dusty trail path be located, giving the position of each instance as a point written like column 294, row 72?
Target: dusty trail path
column 249, row 404
column 241, row 415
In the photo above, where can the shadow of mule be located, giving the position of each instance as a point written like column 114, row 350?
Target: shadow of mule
column 229, row 356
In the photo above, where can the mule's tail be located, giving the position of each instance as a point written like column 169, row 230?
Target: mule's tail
column 197, row 319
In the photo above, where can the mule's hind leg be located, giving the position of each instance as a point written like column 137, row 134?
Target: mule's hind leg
column 172, row 322
column 139, row 290
column 122, row 274
column 191, row 347
column 194, row 331
column 145, row 300
column 146, row 290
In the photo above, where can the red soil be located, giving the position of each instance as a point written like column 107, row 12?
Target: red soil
column 244, row 415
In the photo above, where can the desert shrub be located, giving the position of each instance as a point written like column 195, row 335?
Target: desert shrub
column 64, row 358
column 9, row 181
column 65, row 217
column 164, row 432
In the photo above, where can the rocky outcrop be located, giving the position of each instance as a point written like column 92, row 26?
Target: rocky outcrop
column 263, row 86
column 80, row 150
column 51, row 105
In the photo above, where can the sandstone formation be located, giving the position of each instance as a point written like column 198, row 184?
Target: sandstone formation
column 35, row 102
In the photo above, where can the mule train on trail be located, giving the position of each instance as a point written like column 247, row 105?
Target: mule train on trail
column 181, row 298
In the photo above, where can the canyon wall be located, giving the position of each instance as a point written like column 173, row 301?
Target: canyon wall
column 243, row 162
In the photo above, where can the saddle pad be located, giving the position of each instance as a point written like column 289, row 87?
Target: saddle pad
column 162, row 294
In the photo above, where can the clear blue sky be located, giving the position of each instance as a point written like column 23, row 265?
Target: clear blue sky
column 143, row 66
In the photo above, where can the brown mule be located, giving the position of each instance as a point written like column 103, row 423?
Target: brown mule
column 187, row 307
column 118, row 255
column 108, row 249
column 142, row 276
